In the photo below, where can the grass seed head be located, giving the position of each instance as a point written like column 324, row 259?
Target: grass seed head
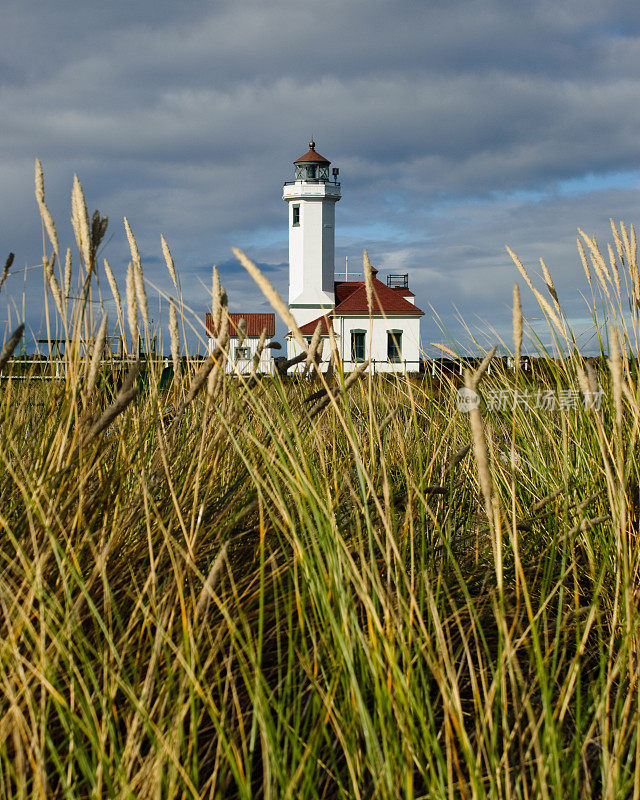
column 168, row 258
column 517, row 324
column 132, row 307
column 80, row 222
column 174, row 335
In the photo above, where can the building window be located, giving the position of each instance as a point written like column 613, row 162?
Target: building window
column 296, row 216
column 358, row 343
column 243, row 353
column 394, row 346
column 311, row 172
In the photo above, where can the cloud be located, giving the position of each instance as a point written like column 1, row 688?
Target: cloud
column 456, row 125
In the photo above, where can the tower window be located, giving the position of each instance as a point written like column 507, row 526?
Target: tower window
column 296, row 216
column 358, row 343
column 394, row 346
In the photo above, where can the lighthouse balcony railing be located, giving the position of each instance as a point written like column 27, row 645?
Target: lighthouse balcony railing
column 312, row 180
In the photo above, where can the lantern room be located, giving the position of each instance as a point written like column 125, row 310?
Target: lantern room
column 313, row 167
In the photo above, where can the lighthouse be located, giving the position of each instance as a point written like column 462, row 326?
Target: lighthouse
column 312, row 197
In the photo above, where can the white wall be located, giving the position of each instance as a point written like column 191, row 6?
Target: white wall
column 311, row 248
column 244, row 367
column 376, row 329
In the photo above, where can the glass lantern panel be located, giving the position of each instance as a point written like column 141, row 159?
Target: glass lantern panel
column 323, row 173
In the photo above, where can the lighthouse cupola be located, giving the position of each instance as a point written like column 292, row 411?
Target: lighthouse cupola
column 311, row 197
column 312, row 166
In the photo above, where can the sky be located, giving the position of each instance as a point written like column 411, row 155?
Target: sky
column 458, row 126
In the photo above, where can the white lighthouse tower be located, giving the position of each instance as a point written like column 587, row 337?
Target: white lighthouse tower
column 311, row 197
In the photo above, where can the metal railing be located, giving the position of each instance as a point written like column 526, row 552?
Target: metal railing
column 398, row 281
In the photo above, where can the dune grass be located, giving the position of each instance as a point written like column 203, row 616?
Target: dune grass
column 217, row 589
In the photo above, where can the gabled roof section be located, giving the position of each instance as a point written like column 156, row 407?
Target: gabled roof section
column 343, row 289
column 312, row 156
column 386, row 302
column 256, row 323
column 310, row 327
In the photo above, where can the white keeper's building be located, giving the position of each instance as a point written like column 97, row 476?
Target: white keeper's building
column 390, row 336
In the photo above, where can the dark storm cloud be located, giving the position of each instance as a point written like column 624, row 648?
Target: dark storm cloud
column 454, row 125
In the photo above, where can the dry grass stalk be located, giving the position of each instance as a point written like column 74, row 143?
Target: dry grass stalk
column 444, row 349
column 242, row 331
column 272, row 296
column 213, row 382
column 7, row 267
column 80, row 222
column 517, row 324
column 583, row 259
column 520, row 267
column 39, row 179
column 598, row 263
column 67, row 274
column 626, row 239
column 632, row 259
column 10, row 345
column 475, row 377
column 313, row 346
column 583, row 380
column 132, row 307
column 211, row 581
column 123, row 398
column 351, row 379
column 477, row 435
column 53, row 282
column 368, row 280
column 588, row 382
column 259, row 349
column 614, row 270
column 618, row 241
column 216, row 302
column 550, row 287
column 96, row 357
column 222, row 342
column 201, row 375
column 47, row 219
column 480, row 449
column 592, row 377
column 551, row 312
column 114, row 290
column 174, row 335
column 169, row 261
column 138, row 276
column 615, row 367
column 335, row 355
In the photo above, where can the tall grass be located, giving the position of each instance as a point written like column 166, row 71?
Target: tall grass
column 218, row 589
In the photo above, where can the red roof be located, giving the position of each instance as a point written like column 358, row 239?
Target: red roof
column 403, row 292
column 311, row 155
column 256, row 323
column 310, row 328
column 386, row 301
column 344, row 289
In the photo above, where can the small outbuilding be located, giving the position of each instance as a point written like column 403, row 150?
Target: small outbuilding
column 244, row 341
